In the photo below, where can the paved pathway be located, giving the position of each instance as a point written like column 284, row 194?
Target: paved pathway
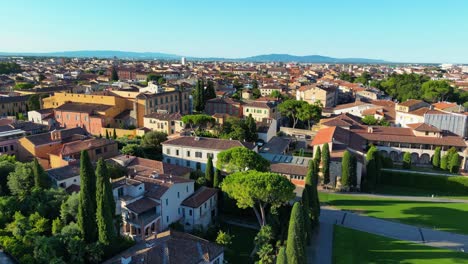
column 321, row 249
column 395, row 230
column 406, row 198
column 5, row 259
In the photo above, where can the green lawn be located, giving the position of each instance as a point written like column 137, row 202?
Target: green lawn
column 408, row 191
column 242, row 244
column 449, row 217
column 352, row 246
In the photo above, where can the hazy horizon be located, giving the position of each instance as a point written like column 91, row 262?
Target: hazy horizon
column 397, row 31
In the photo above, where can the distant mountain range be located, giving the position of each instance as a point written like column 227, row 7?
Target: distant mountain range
column 166, row 56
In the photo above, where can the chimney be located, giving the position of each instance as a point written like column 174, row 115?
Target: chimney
column 370, row 129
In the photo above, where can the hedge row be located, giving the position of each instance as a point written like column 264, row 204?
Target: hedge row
column 456, row 185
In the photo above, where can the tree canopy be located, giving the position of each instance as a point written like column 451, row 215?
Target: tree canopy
column 258, row 190
column 300, row 110
column 241, row 159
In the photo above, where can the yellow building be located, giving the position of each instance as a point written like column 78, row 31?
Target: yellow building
column 260, row 110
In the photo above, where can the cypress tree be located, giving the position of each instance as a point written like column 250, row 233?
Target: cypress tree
column 114, row 76
column 216, row 178
column 295, row 246
column 209, row 172
column 199, row 96
column 307, row 213
column 436, row 158
column 87, row 200
column 251, row 129
column 345, row 170
column 114, row 136
column 407, row 160
column 326, row 163
column 444, row 162
column 318, row 155
column 281, row 258
column 352, row 172
column 107, row 134
column 311, row 184
column 41, row 179
column 104, row 212
column 210, row 91
column 370, row 179
column 454, row 163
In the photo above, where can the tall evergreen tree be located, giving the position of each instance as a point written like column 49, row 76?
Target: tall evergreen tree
column 251, row 129
column 352, row 172
column 114, row 135
column 210, row 92
column 87, row 202
column 326, row 163
column 444, row 162
column 436, row 158
column 295, row 246
column 209, row 173
column 281, row 258
column 41, row 179
column 104, row 211
column 306, row 206
column 114, row 75
column 216, row 178
column 345, row 170
column 107, row 134
column 454, row 163
column 318, row 155
column 199, row 96
column 311, row 181
column 407, row 160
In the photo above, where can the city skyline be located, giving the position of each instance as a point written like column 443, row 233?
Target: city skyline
column 426, row 32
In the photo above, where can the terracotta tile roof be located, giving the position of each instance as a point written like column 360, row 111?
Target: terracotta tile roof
column 410, row 102
column 323, row 136
column 145, row 167
column 65, row 172
column 425, row 110
column 45, row 138
column 208, row 143
column 199, row 197
column 168, row 116
column 443, row 105
column 344, row 106
column 261, row 104
column 172, row 247
column 77, row 146
column 423, row 127
column 142, row 205
column 83, row 108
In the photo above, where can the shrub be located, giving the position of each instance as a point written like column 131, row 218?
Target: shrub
column 407, row 160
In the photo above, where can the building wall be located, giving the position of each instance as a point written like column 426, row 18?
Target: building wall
column 166, row 126
column 10, row 108
column 182, row 157
column 197, row 220
column 67, row 182
column 170, row 202
column 455, row 123
column 9, row 147
column 403, row 119
column 259, row 113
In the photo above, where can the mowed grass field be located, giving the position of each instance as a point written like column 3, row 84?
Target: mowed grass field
column 450, row 217
column 352, row 246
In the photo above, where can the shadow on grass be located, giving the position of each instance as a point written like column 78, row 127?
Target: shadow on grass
column 351, row 246
column 441, row 218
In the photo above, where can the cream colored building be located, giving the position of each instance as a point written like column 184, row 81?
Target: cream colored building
column 327, row 95
column 164, row 122
column 260, row 110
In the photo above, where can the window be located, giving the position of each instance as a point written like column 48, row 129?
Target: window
column 188, row 153
column 167, row 219
column 12, row 147
column 177, row 152
column 178, row 195
column 168, row 151
column 205, row 205
column 209, row 155
column 200, row 211
column 190, row 212
column 167, row 201
column 98, row 151
column 198, row 154
column 187, row 163
column 186, row 188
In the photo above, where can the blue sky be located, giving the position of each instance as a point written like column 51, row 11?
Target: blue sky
column 396, row 30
